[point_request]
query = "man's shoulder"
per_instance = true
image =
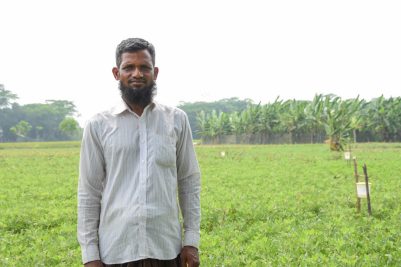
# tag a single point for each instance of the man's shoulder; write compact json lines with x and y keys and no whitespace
{"x":100,"y":117}
{"x":169,"y":109}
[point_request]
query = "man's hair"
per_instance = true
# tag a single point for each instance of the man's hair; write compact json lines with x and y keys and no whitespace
{"x":134,"y":45}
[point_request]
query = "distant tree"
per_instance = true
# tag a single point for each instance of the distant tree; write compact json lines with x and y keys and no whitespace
{"x":293,"y":118}
{"x":6,"y":97}
{"x":35,"y":121}
{"x":46,"y":118}
{"x":269,"y":118}
{"x":39,"y":129}
{"x":21,"y":129}
{"x":203,"y":124}
{"x":250,"y":118}
{"x":314,"y":116}
{"x":69,"y":126}
{"x":63,"y":107}
{"x":385,"y":118}
{"x":227,"y":105}
{"x":327,"y":115}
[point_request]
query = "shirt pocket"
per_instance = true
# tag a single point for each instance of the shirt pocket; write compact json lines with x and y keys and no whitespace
{"x":165,"y":151}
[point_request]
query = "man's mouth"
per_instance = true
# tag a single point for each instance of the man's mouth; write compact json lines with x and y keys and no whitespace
{"x":137,"y":82}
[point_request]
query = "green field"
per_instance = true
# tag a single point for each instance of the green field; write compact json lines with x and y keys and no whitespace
{"x":273,"y":205}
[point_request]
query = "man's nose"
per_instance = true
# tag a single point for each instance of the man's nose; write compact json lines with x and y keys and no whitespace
{"x":138,"y":73}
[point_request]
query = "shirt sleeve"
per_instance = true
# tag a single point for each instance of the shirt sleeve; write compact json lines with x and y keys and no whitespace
{"x":188,"y":175}
{"x":90,"y":187}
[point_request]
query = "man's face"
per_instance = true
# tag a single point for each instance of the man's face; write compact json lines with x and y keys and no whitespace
{"x":136,"y":70}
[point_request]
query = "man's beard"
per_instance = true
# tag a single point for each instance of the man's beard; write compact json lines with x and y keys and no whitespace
{"x":138,"y":97}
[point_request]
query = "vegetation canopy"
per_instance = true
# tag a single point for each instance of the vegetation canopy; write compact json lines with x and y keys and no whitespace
{"x":50,"y":121}
{"x":326,"y":118}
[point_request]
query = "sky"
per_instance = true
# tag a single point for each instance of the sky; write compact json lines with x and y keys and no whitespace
{"x":205,"y":50}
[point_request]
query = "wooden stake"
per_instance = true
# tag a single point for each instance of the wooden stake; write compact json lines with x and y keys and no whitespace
{"x":358,"y":200}
{"x":365,"y":171}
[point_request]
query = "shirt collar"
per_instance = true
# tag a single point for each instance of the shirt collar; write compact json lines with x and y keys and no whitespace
{"x":122,"y":106}
{"x":119,"y":108}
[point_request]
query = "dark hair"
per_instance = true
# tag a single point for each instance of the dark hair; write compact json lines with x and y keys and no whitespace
{"x":133,"y":45}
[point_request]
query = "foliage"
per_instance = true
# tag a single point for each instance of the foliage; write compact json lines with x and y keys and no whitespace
{"x":269,"y":119}
{"x":69,"y":126}
{"x":6,"y":97}
{"x":337,"y":120}
{"x":293,"y":120}
{"x":44,"y":119}
{"x":314,"y":117}
{"x":21,"y":129}
{"x":325,"y":117}
{"x":385,"y":117}
{"x":227,"y":105}
{"x":275,"y":205}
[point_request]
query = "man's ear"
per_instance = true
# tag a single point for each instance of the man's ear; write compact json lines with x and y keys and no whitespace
{"x":156,"y":72}
{"x":116,"y":73}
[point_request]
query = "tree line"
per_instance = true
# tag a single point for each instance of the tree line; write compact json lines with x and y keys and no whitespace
{"x":227,"y":105}
{"x":50,"y":121}
{"x":325,"y":118}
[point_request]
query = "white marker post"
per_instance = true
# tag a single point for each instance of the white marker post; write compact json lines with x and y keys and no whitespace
{"x":347,"y":157}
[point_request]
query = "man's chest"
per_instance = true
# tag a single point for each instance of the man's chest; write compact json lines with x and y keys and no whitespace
{"x":153,"y":140}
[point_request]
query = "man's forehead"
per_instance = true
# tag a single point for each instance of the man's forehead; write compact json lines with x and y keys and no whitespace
{"x":139,"y":53}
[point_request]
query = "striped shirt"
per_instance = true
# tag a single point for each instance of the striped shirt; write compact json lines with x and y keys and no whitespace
{"x":131,"y":170}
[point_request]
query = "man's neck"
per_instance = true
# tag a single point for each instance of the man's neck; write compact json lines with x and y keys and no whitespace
{"x":138,"y":109}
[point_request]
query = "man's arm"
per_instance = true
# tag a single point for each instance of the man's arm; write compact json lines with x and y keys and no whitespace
{"x":91,"y":176}
{"x":188,"y":192}
{"x":189,"y":257}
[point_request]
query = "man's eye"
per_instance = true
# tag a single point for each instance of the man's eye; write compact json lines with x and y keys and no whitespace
{"x":145,"y":68}
{"x":128,"y":68}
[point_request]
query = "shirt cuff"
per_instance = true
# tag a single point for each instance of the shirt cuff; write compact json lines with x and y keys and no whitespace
{"x":90,"y":253}
{"x":191,"y":238}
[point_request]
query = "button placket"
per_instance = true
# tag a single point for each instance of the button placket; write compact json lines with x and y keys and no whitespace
{"x":142,"y":182}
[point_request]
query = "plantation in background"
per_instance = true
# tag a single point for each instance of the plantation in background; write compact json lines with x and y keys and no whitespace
{"x":266,"y":205}
{"x":297,"y":121}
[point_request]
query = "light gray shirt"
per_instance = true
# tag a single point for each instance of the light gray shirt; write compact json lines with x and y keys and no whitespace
{"x":131,"y":170}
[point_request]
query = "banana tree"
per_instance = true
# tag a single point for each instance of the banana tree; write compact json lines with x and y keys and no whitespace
{"x":337,"y":121}
{"x":314,"y":116}
{"x":250,"y":118}
{"x":359,"y":118}
{"x":203,"y":124}
{"x":269,"y":118}
{"x":223,"y":124}
{"x":236,"y":123}
{"x":385,"y":117}
{"x":292,"y":117}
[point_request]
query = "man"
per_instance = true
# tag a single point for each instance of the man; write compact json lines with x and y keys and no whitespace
{"x":134,"y":160}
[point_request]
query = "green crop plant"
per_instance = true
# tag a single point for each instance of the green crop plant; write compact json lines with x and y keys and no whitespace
{"x":262,"y":205}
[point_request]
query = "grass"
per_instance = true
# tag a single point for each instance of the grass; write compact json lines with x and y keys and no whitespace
{"x":270,"y":205}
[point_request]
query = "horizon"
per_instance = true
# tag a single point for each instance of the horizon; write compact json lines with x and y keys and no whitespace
{"x":205,"y":51}
{"x":82,"y":120}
